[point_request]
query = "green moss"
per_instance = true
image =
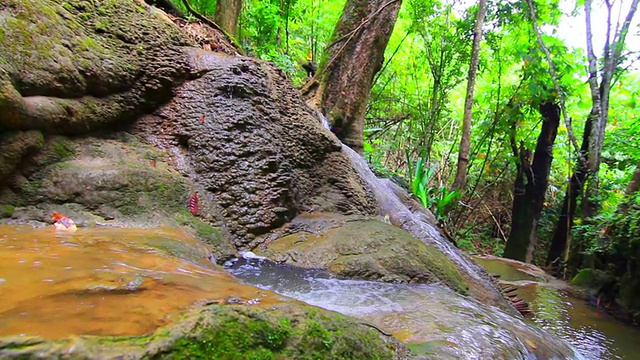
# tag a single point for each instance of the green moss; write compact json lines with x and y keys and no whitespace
{"x":584,"y":278}
{"x":87,"y":44}
{"x":256,"y":334}
{"x":203,"y":230}
{"x":250,"y":339}
{"x":63,"y":149}
{"x":30,"y":192}
{"x":6,"y":210}
{"x":317,"y":337}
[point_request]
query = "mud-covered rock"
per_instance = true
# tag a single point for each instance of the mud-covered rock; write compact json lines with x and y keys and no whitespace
{"x":243,"y":132}
{"x":362,"y":249}
{"x":77,"y":66}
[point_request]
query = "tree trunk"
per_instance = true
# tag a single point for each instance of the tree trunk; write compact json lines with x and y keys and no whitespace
{"x":346,"y":71}
{"x":593,"y":136}
{"x":463,"y":155}
{"x":529,"y":195}
{"x":227,"y":14}
{"x":561,"y":235}
{"x":600,"y":97}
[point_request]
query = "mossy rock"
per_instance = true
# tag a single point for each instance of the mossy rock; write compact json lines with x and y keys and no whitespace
{"x":585,"y":278}
{"x":363,"y":249}
{"x":14,"y":146}
{"x":117,"y":181}
{"x":77,"y":66}
{"x":6,"y":210}
{"x":289,"y":331}
{"x":223,"y":249}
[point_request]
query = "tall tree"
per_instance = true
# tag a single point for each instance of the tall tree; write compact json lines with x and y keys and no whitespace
{"x":593,"y":136}
{"x":600,"y":96}
{"x":531,"y":185}
{"x":346,"y":71}
{"x":463,"y":154}
{"x":227,"y":14}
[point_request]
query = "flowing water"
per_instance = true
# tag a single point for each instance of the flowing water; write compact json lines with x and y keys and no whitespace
{"x":106,"y":281}
{"x":418,"y":225}
{"x":432,"y":319}
{"x":130,"y":282}
{"x":594,"y":333}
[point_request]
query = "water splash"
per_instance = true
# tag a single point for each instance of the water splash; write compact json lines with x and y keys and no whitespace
{"x":323,"y":120}
{"x":390,"y":204}
{"x":415,"y":313}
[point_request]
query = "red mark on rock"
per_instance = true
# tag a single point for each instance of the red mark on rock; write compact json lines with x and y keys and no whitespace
{"x":194,"y":207}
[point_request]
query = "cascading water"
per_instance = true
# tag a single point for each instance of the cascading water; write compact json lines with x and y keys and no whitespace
{"x":432,"y":319}
{"x":481,"y":287}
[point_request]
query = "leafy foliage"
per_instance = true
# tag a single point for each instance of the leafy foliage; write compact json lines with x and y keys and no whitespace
{"x":416,"y":106}
{"x":438,"y":200}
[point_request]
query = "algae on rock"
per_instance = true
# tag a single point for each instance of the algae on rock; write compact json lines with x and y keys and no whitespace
{"x":80,"y":66}
{"x":363,"y":248}
{"x":288,"y":331}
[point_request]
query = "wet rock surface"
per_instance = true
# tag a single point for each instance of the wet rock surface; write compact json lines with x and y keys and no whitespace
{"x":287,"y":331}
{"x":242,"y":131}
{"x":114,"y":181}
{"x":362,"y":248}
{"x":154,"y":294}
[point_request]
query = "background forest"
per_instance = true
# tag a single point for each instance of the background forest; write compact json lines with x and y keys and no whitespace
{"x":551,"y":172}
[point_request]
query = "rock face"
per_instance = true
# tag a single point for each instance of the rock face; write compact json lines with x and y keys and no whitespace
{"x":107,"y":181}
{"x":78,"y":66}
{"x":243,"y":132}
{"x":360,"y":248}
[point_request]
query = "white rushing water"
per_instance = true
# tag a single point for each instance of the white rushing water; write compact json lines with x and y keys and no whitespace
{"x":428,"y":316}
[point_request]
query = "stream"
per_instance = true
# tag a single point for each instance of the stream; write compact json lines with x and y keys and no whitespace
{"x":432,"y":319}
{"x":594,"y":333}
{"x":132,"y":281}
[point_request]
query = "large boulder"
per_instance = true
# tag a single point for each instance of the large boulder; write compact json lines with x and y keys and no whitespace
{"x":114,"y":181}
{"x":242,"y":131}
{"x":361,"y":248}
{"x":78,"y":66}
{"x":288,"y":331}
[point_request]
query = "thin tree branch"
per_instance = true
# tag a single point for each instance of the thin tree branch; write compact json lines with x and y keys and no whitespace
{"x":556,"y":83}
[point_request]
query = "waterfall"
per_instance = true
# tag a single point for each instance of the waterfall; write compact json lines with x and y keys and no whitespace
{"x":418,"y":225}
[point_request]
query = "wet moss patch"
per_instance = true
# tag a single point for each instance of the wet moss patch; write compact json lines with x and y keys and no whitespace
{"x":238,"y":332}
{"x":288,"y":332}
